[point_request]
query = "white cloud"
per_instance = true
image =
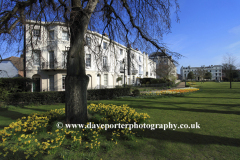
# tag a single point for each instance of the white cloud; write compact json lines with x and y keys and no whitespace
{"x":177,"y":42}
{"x":235,"y":30}
{"x":233,"y":45}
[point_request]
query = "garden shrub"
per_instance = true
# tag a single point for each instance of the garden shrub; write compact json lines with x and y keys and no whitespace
{"x":3,"y":94}
{"x":154,"y":81}
{"x":162,"y":80}
{"x":136,"y":92}
{"x":14,"y":85}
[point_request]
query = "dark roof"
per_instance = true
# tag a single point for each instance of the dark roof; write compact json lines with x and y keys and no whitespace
{"x":17,"y":62}
{"x":158,"y":54}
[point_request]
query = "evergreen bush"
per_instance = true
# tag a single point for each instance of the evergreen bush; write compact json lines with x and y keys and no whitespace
{"x":136,"y":92}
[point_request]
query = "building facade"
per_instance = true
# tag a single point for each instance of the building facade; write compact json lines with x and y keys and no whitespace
{"x":215,"y":70}
{"x":11,"y":67}
{"x":46,"y":58}
{"x":165,"y":67}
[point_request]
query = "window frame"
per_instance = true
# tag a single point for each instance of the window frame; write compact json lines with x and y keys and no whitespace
{"x":64,"y":58}
{"x":49,"y":35}
{"x":105,"y":61}
{"x":51,"y":87}
{"x":34,"y":58}
{"x":67,"y":36}
{"x":106,"y":79}
{"x":88,"y":60}
{"x":121,"y":51}
{"x":36,"y":35}
{"x":104,"y":45}
{"x":88,"y":41}
{"x":63,"y":82}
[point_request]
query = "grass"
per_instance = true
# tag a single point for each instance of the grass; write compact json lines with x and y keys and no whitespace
{"x":215,"y":107}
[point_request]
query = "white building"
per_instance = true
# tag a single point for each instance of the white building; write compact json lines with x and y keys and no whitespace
{"x":46,"y":58}
{"x":165,"y":65}
{"x":215,"y":70}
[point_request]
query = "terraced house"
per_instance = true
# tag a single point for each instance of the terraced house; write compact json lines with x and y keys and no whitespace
{"x":46,"y":48}
{"x":215,"y":70}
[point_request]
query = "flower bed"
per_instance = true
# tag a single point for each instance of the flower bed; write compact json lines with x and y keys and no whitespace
{"x":37,"y":134}
{"x":171,"y":91}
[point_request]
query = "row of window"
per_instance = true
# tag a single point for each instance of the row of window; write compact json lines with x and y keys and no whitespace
{"x":88,"y":41}
{"x":51,"y":81}
{"x":37,"y":34}
{"x":208,"y":71}
{"x":122,"y":81}
{"x":65,"y":36}
{"x":215,"y":74}
{"x":64,"y":77}
{"x":37,"y":54}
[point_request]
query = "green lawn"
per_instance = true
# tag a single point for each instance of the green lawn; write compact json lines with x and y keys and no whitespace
{"x":215,"y":107}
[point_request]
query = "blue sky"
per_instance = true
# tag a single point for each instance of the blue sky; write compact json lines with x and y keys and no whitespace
{"x":208,"y":29}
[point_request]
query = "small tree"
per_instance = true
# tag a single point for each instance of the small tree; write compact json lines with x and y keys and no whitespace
{"x":229,"y":66}
{"x":190,"y":75}
{"x":200,"y":73}
{"x":119,"y":79}
{"x":208,"y":75}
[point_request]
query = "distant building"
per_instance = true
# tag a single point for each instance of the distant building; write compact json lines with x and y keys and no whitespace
{"x":215,"y":70}
{"x":11,"y":67}
{"x":165,"y":66}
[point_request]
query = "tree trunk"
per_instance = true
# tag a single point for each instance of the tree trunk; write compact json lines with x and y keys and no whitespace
{"x":76,"y":99}
{"x":76,"y":79}
{"x":230,"y":78}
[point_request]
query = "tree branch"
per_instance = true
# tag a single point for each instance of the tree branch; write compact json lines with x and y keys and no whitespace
{"x":4,"y":21}
{"x":125,"y":5}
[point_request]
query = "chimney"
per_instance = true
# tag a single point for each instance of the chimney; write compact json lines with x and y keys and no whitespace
{"x":129,"y":46}
{"x":137,"y":49}
{"x":105,"y":34}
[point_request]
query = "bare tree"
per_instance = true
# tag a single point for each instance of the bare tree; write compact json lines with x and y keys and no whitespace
{"x":163,"y":70}
{"x":165,"y":65}
{"x":200,"y":73}
{"x":132,"y":21}
{"x":229,"y":65}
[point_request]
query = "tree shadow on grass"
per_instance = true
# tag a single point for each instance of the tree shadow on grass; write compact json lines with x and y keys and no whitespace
{"x":36,"y":109}
{"x":189,"y":138}
{"x":2,"y":126}
{"x":188,"y":109}
{"x":213,"y":97}
{"x":144,"y":105}
{"x":12,"y":114}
